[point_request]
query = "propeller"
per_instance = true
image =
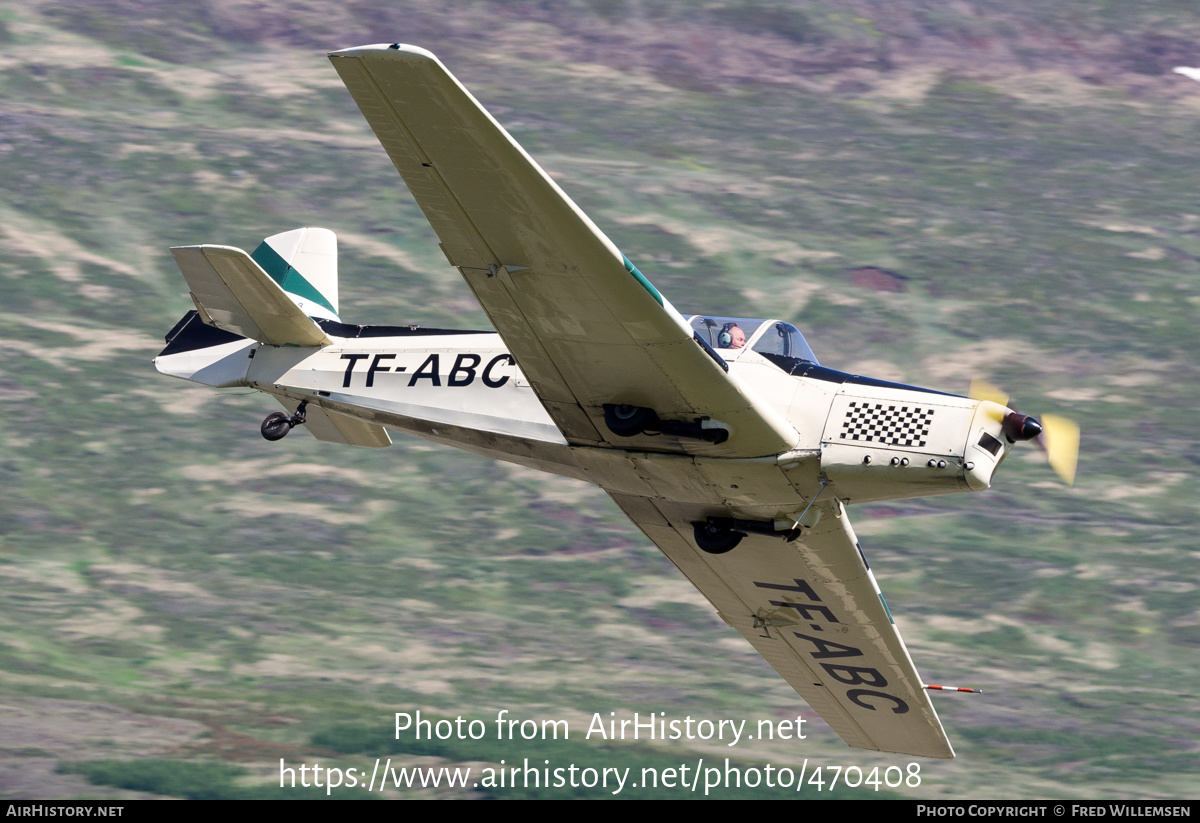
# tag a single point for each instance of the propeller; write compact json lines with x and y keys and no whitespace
{"x":1057,"y":436}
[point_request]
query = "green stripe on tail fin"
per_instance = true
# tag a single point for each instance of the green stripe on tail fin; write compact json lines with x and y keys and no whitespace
{"x":303,"y":262}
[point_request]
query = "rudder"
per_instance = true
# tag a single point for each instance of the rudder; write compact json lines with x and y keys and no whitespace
{"x":303,"y":262}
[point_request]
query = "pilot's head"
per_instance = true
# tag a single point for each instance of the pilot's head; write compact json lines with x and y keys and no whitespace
{"x":731,"y":336}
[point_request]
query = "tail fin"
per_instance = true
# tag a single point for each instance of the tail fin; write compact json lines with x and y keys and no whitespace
{"x":304,"y":264}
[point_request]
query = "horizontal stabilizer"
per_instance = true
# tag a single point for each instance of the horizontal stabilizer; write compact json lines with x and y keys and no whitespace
{"x":235,"y":294}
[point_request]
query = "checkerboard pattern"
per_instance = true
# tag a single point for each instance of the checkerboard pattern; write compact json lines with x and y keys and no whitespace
{"x":889,"y":425}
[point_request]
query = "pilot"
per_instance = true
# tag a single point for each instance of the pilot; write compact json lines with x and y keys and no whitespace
{"x":731,"y":336}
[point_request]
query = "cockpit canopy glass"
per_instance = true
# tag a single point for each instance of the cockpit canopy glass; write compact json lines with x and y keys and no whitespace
{"x":729,"y":334}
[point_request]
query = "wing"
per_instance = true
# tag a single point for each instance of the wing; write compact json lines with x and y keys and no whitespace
{"x":233,"y":293}
{"x":813,"y":610}
{"x":584,"y":325}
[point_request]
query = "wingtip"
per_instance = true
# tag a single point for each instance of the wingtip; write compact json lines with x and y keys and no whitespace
{"x":387,"y":51}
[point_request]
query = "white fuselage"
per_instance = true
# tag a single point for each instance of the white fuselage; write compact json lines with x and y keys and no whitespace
{"x":864,"y":440}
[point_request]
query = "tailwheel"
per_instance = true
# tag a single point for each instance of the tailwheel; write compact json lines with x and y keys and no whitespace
{"x":277,"y":424}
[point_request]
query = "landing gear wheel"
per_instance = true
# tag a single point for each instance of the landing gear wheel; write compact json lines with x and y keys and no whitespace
{"x":716,"y":539}
{"x":624,"y":420}
{"x":276,"y":426}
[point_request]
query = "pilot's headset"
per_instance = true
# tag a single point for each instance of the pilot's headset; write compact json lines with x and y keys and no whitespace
{"x":725,"y":336}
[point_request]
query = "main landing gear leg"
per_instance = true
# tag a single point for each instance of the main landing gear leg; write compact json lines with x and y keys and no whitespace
{"x":278,"y":424}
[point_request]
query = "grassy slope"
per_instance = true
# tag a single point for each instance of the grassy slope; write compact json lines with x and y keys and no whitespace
{"x":176,"y":587}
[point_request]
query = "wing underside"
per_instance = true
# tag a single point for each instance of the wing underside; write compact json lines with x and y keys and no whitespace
{"x":812,"y":609}
{"x":585,"y":328}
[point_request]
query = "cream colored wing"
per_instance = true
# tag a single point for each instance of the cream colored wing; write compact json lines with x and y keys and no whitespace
{"x":585,"y":327}
{"x":813,"y":610}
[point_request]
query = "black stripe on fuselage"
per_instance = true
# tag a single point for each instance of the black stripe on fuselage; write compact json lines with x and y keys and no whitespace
{"x":336,"y":329}
{"x":192,"y":333}
{"x":806,"y":368}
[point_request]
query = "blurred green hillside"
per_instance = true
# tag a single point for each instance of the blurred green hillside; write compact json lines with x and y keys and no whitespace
{"x":176,"y":591}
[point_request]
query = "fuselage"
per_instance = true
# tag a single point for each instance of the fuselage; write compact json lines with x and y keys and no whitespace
{"x":860,"y":439}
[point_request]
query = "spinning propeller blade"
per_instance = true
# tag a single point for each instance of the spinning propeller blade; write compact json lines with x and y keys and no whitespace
{"x":1057,"y":436}
{"x":1061,"y":442}
{"x":983,"y":390}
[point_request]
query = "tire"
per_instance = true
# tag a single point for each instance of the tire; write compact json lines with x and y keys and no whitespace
{"x":276,"y":426}
{"x":716,"y":539}
{"x":628,"y":421}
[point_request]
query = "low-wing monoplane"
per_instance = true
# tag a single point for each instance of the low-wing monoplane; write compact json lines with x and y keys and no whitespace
{"x":723,"y":438}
